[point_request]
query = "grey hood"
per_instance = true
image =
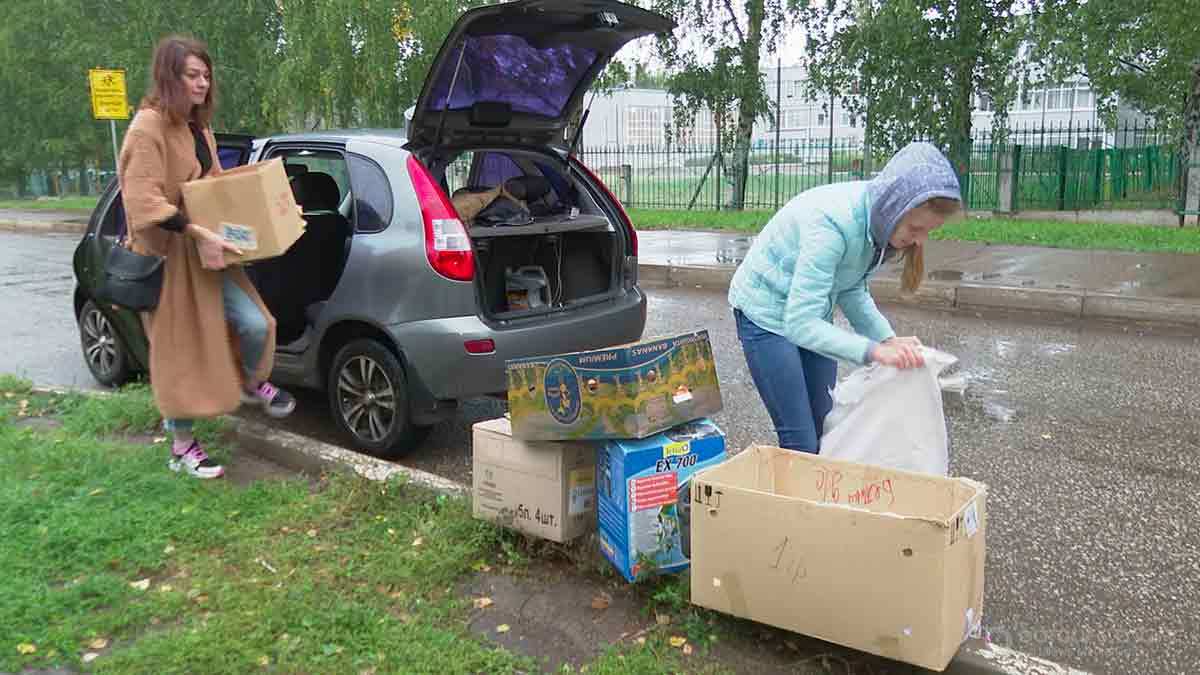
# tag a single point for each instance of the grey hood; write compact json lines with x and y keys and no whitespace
{"x":916,"y":174}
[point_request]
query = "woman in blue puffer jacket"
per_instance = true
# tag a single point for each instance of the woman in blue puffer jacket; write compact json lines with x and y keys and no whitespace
{"x":819,"y":251}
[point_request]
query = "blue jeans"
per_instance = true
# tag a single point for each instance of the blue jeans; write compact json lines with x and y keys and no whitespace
{"x":793,"y":382}
{"x":251,"y":327}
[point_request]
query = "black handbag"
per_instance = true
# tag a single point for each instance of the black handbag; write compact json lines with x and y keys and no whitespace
{"x":131,"y":280}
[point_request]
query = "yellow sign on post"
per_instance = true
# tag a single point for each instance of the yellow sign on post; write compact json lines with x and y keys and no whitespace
{"x":109,"y":101}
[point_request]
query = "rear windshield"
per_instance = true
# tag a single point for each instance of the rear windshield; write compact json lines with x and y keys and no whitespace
{"x":507,"y":69}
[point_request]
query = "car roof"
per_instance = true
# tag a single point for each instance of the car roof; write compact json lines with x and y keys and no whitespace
{"x":392,"y":137}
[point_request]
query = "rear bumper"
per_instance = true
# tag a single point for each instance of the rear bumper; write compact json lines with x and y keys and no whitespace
{"x":435,"y":353}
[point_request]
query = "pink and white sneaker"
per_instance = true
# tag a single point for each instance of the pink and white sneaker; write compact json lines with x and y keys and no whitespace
{"x":195,"y":462}
{"x":274,"y":401}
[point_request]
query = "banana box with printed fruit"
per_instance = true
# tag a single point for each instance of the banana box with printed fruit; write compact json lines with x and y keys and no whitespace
{"x":626,"y":392}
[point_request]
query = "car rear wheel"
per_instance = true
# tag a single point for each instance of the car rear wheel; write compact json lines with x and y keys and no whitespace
{"x":103,"y":350}
{"x":368,"y":396}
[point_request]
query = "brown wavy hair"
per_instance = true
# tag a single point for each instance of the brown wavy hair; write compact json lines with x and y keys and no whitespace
{"x":167,"y":92}
{"x":914,"y":256}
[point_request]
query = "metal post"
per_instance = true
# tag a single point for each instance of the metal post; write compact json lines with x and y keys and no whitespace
{"x":113,"y":127}
{"x":831,"y":134}
{"x":778,"y":121}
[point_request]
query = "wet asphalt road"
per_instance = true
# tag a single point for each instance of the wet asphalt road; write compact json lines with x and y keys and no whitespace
{"x":1086,"y":434}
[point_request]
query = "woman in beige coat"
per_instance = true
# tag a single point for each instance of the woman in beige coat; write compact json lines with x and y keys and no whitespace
{"x":208,"y":315}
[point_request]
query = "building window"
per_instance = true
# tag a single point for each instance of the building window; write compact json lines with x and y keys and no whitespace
{"x":646,"y":125}
{"x":1084,"y":97}
{"x":847,"y":120}
{"x":986,"y":104}
{"x":797,"y":118}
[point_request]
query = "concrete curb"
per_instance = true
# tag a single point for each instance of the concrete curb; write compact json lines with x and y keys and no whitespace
{"x":308,"y":455}
{"x":942,"y":295}
{"x":35,"y":227}
{"x":977,"y":657}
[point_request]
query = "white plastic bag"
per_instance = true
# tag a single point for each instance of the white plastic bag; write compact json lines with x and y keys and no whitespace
{"x":890,"y":417}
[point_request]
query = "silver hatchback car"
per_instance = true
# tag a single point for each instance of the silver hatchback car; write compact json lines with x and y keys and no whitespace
{"x":392,"y":302}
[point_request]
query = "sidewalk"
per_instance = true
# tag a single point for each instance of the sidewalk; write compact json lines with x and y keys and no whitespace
{"x":1112,"y":285}
{"x":42,"y":221}
{"x":1095,"y":284}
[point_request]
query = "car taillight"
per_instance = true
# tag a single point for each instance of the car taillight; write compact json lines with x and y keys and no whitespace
{"x":633,"y":239}
{"x":446,"y":242}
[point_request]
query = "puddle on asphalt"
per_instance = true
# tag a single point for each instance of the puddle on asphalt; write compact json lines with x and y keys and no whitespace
{"x":998,"y":411}
{"x":946,"y":275}
{"x":732,"y":250}
{"x":991,"y":399}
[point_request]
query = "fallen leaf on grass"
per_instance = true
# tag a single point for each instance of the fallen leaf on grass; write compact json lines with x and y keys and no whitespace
{"x":169,"y":549}
{"x":368,"y":671}
{"x":98,"y":643}
{"x":391,"y":532}
{"x":601,"y":601}
{"x":312,"y":533}
{"x":264,"y":661}
{"x":26,"y":649}
{"x":503,"y":628}
{"x":483,"y":603}
{"x":90,"y":656}
{"x":641,"y":641}
{"x":418,"y":541}
{"x":160,"y":439}
{"x":678,"y":641}
{"x":201,"y":599}
{"x":97,"y":491}
{"x":9,"y":394}
{"x":166,"y":588}
{"x":141,"y":585}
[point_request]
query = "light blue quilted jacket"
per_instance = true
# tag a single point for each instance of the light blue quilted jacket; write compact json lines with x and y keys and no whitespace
{"x":822,"y":247}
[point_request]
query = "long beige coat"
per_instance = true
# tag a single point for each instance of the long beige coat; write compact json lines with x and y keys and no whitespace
{"x":195,"y":370}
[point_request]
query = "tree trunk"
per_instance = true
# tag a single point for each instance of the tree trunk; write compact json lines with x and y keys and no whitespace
{"x":749,"y":102}
{"x":83,"y":177}
{"x":1191,"y":142}
{"x":964,"y":94}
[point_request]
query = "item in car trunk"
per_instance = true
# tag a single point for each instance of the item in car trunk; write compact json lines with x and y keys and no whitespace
{"x":527,"y":288}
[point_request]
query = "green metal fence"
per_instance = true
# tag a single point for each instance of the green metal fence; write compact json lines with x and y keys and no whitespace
{"x":1067,"y":167}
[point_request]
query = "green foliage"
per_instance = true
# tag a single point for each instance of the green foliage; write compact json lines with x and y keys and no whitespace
{"x":713,"y":61}
{"x":917,"y":68}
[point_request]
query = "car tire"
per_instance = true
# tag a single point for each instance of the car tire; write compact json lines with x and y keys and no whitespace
{"x":368,"y":398}
{"x":104,"y":351}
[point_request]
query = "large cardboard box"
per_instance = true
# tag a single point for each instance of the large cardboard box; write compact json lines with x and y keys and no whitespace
{"x":643,"y":496}
{"x":881,"y":560}
{"x":545,"y":489}
{"x":251,"y":206}
{"x":631,"y":391}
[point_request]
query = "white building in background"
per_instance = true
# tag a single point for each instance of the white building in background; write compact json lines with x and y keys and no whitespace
{"x":636,"y":118}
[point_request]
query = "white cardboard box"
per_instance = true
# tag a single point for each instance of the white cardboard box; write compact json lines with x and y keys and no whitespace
{"x":543,"y":488}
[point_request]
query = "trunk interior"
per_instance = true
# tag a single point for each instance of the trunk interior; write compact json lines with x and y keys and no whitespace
{"x":555,"y":249}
